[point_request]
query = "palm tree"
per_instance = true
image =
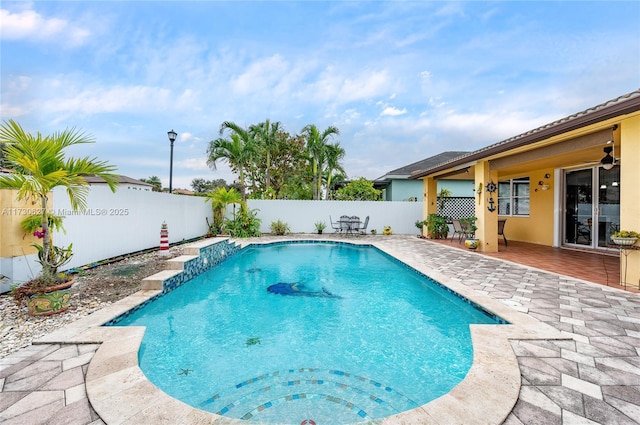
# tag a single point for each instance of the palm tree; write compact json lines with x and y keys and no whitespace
{"x":266,"y":134}
{"x":219,"y":199}
{"x":155,"y":182}
{"x":238,"y":151}
{"x":317,"y":152}
{"x":335,"y":153}
{"x":39,"y":165}
{"x":2,"y":161}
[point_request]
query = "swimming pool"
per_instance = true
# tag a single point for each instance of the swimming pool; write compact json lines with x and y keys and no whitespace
{"x":346,"y":334}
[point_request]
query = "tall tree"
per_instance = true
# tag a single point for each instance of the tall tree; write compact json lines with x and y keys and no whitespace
{"x":266,"y":135}
{"x":39,"y":165}
{"x":317,"y":151}
{"x":238,"y":150}
{"x":335,"y":154}
{"x":359,"y":190}
{"x":155,"y":182}
{"x":201,"y":186}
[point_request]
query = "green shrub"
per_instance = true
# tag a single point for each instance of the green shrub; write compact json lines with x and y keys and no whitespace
{"x":245,"y":224}
{"x":279,"y":228}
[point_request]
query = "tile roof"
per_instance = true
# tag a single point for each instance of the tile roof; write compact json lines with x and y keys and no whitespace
{"x":621,"y":105}
{"x":121,"y":179}
{"x":423,"y":164}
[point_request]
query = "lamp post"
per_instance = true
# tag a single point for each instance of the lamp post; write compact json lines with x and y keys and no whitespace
{"x":172,"y":138}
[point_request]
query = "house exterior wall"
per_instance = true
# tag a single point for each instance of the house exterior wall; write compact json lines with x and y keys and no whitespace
{"x":461,"y":188}
{"x":12,"y":212}
{"x":580,"y":146}
{"x":17,"y":255}
{"x":630,"y":190}
{"x":403,"y":190}
{"x":538,"y":226}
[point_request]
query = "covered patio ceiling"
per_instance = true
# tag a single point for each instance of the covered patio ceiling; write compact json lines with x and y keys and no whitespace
{"x":578,"y":152}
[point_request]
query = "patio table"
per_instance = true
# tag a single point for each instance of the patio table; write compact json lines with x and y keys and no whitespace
{"x":350,"y":225}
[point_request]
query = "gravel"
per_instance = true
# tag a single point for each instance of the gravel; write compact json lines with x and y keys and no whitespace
{"x":94,"y":289}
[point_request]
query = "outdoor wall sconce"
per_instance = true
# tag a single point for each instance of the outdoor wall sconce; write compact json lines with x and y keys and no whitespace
{"x":544,"y":185}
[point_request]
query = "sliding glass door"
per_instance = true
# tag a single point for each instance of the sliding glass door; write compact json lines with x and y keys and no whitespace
{"x":592,"y":206}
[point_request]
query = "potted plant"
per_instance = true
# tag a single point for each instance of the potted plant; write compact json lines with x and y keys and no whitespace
{"x":386,"y":231}
{"x":420,"y":225}
{"x":38,"y":165}
{"x":469,"y":227}
{"x":437,"y":226}
{"x":320,"y":226}
{"x":625,"y":237}
{"x":443,"y":198}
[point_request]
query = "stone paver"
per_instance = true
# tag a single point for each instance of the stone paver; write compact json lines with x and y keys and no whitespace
{"x":588,"y":375}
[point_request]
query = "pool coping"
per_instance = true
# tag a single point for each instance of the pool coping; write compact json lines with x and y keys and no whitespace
{"x":119,"y":391}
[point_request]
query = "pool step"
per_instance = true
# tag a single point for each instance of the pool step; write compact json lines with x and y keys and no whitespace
{"x":355,"y":396}
{"x":191,"y":254}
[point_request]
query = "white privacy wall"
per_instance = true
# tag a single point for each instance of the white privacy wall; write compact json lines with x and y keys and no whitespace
{"x":301,"y":216}
{"x":126,"y":221}
{"x":130,"y":220}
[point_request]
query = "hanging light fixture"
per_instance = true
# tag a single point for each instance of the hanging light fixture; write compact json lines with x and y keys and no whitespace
{"x":608,"y":161}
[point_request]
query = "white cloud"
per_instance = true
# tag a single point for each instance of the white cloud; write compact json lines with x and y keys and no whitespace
{"x":261,"y":75}
{"x":344,"y":88}
{"x":392,"y":111}
{"x":30,"y":25}
{"x":13,"y":111}
{"x":197,"y":164}
{"x":97,"y":100}
{"x":185,"y":137}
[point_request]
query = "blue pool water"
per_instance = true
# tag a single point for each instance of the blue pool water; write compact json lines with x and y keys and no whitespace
{"x":288,"y":333}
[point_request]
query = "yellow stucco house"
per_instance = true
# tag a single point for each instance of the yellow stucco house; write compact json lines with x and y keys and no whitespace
{"x":570,"y":183}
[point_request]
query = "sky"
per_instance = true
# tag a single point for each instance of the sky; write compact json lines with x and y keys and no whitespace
{"x":401,"y":80}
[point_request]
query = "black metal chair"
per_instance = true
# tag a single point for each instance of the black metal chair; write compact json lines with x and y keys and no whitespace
{"x":501,"y":224}
{"x":345,"y":225}
{"x":363,"y":229}
{"x":334,"y":225}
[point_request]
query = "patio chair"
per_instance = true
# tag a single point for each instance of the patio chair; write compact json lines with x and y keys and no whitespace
{"x":345,"y":224}
{"x":354,"y":224}
{"x":363,"y":229}
{"x":334,"y":225}
{"x":459,"y":230}
{"x":501,"y":224}
{"x":584,"y":231}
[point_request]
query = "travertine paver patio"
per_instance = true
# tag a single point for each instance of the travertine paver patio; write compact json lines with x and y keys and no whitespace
{"x":589,"y":372}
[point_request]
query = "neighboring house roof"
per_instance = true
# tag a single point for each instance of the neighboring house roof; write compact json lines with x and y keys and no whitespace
{"x":621,"y":105}
{"x":183,"y":192}
{"x":121,"y":179}
{"x":424,"y":164}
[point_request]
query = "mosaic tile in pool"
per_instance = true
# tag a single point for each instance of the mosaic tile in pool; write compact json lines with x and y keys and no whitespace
{"x":386,"y":340}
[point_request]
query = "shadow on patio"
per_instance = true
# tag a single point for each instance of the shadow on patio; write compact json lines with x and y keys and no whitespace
{"x":601,"y":268}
